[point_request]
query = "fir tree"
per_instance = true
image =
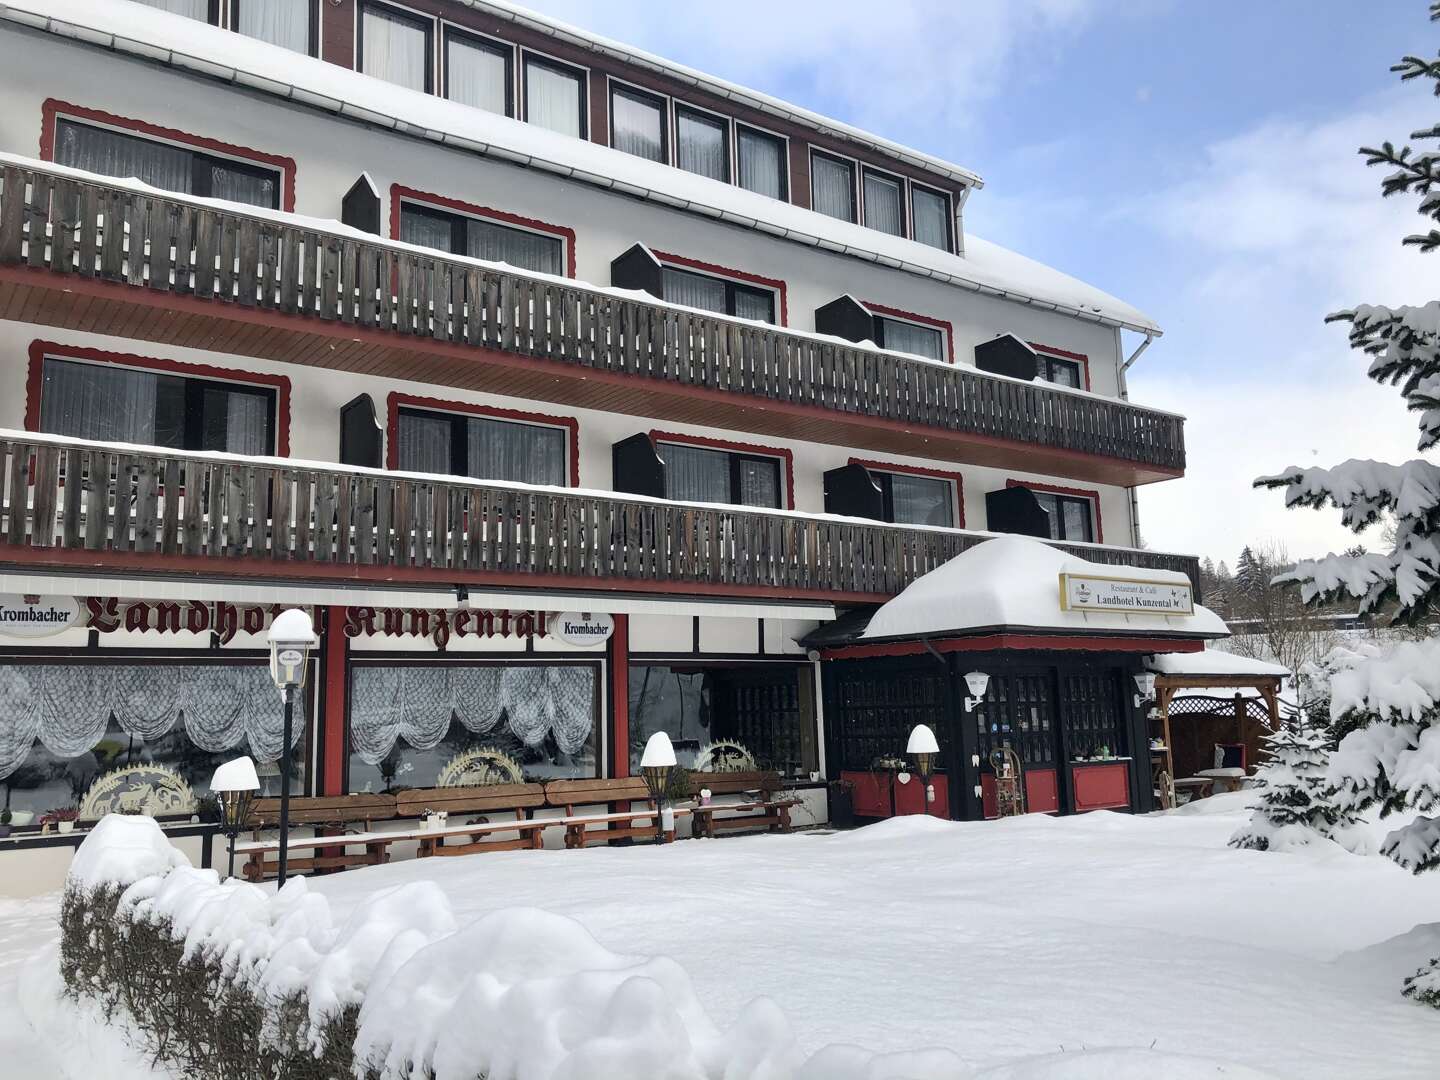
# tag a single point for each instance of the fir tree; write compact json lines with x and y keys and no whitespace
{"x":1295,"y":808}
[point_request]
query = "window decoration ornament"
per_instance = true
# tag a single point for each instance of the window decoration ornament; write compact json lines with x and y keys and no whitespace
{"x":724,"y":755}
{"x":152,"y":790}
{"x":480,"y":768}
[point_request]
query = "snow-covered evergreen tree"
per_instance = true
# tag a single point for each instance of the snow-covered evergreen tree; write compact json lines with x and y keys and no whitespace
{"x":1390,"y":703}
{"x":1294,"y":810}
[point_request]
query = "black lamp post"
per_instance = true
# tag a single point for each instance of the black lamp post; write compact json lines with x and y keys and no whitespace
{"x":655,"y":766}
{"x":292,"y":636}
{"x":923,"y":749}
{"x":234,"y":785}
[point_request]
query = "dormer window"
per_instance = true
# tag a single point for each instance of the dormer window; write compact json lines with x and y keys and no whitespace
{"x":761,"y":159}
{"x":884,"y":203}
{"x":702,"y":143}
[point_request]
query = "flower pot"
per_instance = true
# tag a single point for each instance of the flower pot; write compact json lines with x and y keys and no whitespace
{"x":65,"y":826}
{"x":21,"y":818}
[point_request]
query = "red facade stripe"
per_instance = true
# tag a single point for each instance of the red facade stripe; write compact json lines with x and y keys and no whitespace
{"x":785,"y":456}
{"x":943,"y":325}
{"x":775,"y":284}
{"x":39,"y":350}
{"x":620,"y":697}
{"x":396,"y":401}
{"x":921,"y":470}
{"x":53,"y":108}
{"x":1079,"y":493}
{"x":399,"y":194}
{"x":1079,"y":358}
{"x":335,"y":742}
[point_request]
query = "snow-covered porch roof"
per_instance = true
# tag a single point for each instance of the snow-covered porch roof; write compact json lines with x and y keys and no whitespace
{"x":1213,"y":672}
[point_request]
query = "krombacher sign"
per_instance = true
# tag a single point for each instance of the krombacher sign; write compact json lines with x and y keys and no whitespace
{"x":1089,"y":592}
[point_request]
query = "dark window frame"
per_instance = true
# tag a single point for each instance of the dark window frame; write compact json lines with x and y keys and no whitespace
{"x":312,"y":47}
{"x":884,"y":479}
{"x":881,"y":320}
{"x":1047,"y":362}
{"x":853,"y":165}
{"x":902,"y":191}
{"x":580,"y":74}
{"x":705,"y":116}
{"x":619,"y":86}
{"x":1057,"y":518}
{"x":949,"y":213}
{"x":460,"y":229}
{"x":732,"y":289}
{"x":422,"y":22}
{"x":784,"y":144}
{"x":734,"y":459}
{"x":448,"y":32}
{"x":460,"y":443}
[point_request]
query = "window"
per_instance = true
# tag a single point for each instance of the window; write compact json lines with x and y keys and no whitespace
{"x":555,"y":96}
{"x":762,"y":162}
{"x":637,"y":123}
{"x":164,"y":165}
{"x":482,"y":447}
{"x":1060,"y":371}
{"x":478,"y":238}
{"x":913,"y":499}
{"x":192,"y":9}
{"x":700,"y":474}
{"x":768,"y":709}
{"x":408,"y":721}
{"x":884,"y":203}
{"x":116,"y":403}
{"x":832,"y":187}
{"x":930,"y":215}
{"x":395,"y":46}
{"x":719,"y":295}
{"x":286,"y":23}
{"x":477,"y":72}
{"x":1072,"y":517}
{"x":702,"y":143}
{"x":909,"y":337}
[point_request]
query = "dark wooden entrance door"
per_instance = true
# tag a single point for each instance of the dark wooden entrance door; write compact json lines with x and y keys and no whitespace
{"x":1019,"y":711}
{"x":1096,"y":751}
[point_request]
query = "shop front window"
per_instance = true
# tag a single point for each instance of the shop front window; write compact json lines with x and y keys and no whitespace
{"x":411,"y":722}
{"x":64,"y":725}
{"x":709,"y":712}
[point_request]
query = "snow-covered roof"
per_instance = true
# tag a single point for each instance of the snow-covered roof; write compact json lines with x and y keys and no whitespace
{"x":208,"y":50}
{"x":1013,"y":582}
{"x":1214,"y":662}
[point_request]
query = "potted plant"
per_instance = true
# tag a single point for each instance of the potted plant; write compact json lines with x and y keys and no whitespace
{"x":62,"y":817}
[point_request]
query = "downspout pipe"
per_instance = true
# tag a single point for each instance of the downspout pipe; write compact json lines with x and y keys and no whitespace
{"x":1125,"y":396}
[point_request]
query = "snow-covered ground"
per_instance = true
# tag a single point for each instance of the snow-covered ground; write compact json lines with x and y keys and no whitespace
{"x":1026,"y":946}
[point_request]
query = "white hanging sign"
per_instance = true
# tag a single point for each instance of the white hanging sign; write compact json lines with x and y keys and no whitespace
{"x":26,"y":615}
{"x":582,"y":628}
{"x":1087,"y":592}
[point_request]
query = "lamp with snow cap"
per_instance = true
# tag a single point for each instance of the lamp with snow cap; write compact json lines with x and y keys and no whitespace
{"x":292,"y":636}
{"x":235,"y":785}
{"x":655,"y":765}
{"x":978,"y":682}
{"x":923,"y":749}
{"x":1145,"y":683}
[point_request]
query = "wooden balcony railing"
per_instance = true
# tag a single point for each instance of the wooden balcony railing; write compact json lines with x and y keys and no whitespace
{"x":250,"y":263}
{"x":88,"y":504}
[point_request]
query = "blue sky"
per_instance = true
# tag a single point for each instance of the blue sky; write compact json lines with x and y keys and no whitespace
{"x":1196,"y":159}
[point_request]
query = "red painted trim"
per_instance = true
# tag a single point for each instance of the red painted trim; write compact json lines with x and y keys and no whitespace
{"x":1003,"y":642}
{"x":920,"y":470}
{"x":619,"y":657}
{"x":399,"y":193}
{"x":336,"y":742}
{"x":1079,"y":358}
{"x":39,"y":350}
{"x":742,"y":447}
{"x":944,"y":326}
{"x":1079,"y":493}
{"x":777,"y":284}
{"x":1101,"y":786}
{"x":54,"y":107}
{"x":397,"y":400}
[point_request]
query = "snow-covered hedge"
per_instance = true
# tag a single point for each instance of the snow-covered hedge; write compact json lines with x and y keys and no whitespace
{"x":228,"y":979}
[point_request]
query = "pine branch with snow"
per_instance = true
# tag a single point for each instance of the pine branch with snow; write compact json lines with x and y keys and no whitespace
{"x":1294,"y":809}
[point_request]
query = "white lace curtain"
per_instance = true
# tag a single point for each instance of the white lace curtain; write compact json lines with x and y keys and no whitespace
{"x":67,"y":707}
{"x":393,"y":48}
{"x":280,"y":22}
{"x":417,"y":703}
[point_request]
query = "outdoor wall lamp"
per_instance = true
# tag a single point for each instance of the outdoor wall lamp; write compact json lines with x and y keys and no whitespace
{"x":235,"y":784}
{"x":978,"y":682}
{"x":292,"y":636}
{"x":923,"y":748}
{"x":1145,"y":683}
{"x":655,"y":765}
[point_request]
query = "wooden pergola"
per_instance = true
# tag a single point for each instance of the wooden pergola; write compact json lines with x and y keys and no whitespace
{"x":1162,"y":761}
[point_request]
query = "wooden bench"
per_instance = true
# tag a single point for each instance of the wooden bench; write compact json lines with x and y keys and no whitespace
{"x":570,"y":794}
{"x":514,"y":800}
{"x":765,"y":812}
{"x":320,"y":812}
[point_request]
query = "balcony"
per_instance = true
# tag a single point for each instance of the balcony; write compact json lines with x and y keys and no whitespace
{"x":85,"y":507}
{"x":109,"y":257}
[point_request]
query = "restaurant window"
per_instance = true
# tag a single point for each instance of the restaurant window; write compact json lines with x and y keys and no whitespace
{"x":191,"y":9}
{"x":117,"y":403}
{"x":832,"y":186}
{"x":700,"y":474}
{"x":930,"y":217}
{"x":913,"y":499}
{"x":479,"y":238}
{"x":702,"y":143}
{"x":286,"y":23}
{"x":478,"y":72}
{"x":555,"y":96}
{"x":63,"y":724}
{"x":1059,"y":371}
{"x":164,"y":165}
{"x":637,"y":123}
{"x":1072,"y":517}
{"x":761,"y":159}
{"x":395,"y":46}
{"x":884,"y":203}
{"x":767,"y":709}
{"x":483,"y":447}
{"x":718,"y":294}
{"x":409,"y":721}
{"x":908,"y":337}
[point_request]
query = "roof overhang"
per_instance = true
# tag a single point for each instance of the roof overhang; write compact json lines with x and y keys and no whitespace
{"x":1018,"y":639}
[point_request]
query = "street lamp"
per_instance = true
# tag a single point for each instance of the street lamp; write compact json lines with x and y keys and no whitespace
{"x":977,"y":682}
{"x":292,"y":636}
{"x":923,"y":748}
{"x":1145,"y":683}
{"x":655,"y":765}
{"x":235,"y":785}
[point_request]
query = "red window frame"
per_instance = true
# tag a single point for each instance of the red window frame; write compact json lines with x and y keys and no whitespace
{"x":53,"y":109}
{"x":399,"y":193}
{"x":396,"y":400}
{"x":776,"y":285}
{"x":921,"y":470}
{"x":1066,"y":354}
{"x":786,"y":458}
{"x":39,"y":350}
{"x":946,"y":328}
{"x":1076,"y":493}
